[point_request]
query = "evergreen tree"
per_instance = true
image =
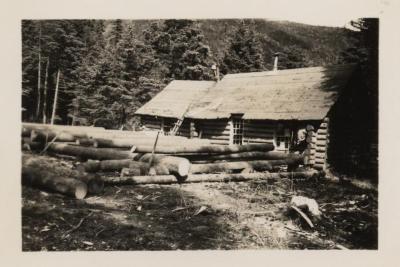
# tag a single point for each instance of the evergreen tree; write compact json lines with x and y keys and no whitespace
{"x":180,"y":48}
{"x":116,"y":33}
{"x":61,"y":45}
{"x":113,"y":78}
{"x":292,"y":57}
{"x":30,"y":40}
{"x":244,"y":53}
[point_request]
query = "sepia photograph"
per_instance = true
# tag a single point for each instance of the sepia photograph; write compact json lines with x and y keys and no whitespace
{"x":199,"y":134}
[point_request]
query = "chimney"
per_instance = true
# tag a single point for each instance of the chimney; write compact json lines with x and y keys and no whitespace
{"x":276,"y":55}
{"x":215,"y":68}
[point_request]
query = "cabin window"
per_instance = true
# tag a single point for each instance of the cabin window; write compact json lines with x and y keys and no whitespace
{"x":282,"y":138}
{"x":237,"y":136}
{"x":165,"y":126}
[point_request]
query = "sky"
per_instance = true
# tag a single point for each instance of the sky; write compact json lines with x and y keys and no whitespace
{"x":336,"y":13}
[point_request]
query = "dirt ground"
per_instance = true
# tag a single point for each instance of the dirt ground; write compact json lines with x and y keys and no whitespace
{"x":248,"y":215}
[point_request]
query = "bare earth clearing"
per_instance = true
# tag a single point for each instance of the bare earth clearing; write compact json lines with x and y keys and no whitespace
{"x":251,"y":215}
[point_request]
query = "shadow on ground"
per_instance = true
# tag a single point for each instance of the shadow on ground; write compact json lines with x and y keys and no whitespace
{"x":244,"y":215}
{"x":132,"y":218}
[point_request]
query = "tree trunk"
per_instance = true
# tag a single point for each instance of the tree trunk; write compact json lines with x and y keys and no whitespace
{"x":86,"y":142}
{"x":38,"y":126}
{"x":39,"y":75}
{"x":136,"y":169}
{"x":25,"y":132}
{"x":175,"y":165}
{"x":198,"y":178}
{"x":143,"y":140}
{"x":55,"y":98}
{"x":254,"y":155}
{"x":118,"y":134}
{"x":91,"y":153}
{"x":63,"y":134}
{"x":40,"y":176}
{"x":28,"y":145}
{"x":45,"y":92}
{"x":211,"y":149}
{"x":105,"y":165}
{"x":94,"y":183}
{"x":45,"y":136}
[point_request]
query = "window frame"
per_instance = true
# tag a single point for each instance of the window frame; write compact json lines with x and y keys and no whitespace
{"x":237,"y":131}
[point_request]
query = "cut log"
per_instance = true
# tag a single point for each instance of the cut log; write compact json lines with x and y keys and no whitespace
{"x":104,"y":165}
{"x":77,"y":131}
{"x":165,"y":141}
{"x":34,"y":126}
{"x":198,"y":178}
{"x":274,"y":155}
{"x":132,"y":172}
{"x":258,"y":165}
{"x":91,"y":153}
{"x":94,"y":183}
{"x":135,"y":170}
{"x":47,"y":135}
{"x":25,"y":132}
{"x":211,"y":149}
{"x":86,"y":142}
{"x":111,"y":134}
{"x":175,"y":165}
{"x":28,"y":145}
{"x":228,"y":167}
{"x":42,"y":177}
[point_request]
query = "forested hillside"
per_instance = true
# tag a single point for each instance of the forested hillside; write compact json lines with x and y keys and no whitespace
{"x":105,"y":70}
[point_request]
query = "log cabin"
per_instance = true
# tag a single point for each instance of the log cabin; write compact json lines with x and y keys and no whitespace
{"x":288,"y":108}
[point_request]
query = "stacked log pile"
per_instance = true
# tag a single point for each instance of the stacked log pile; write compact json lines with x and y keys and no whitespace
{"x":146,"y":157}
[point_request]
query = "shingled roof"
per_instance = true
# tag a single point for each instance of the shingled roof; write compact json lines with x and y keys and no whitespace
{"x":175,"y":99}
{"x":295,"y":94}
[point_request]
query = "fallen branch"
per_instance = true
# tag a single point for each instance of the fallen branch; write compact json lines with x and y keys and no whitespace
{"x":303,"y":215}
{"x":77,"y":226}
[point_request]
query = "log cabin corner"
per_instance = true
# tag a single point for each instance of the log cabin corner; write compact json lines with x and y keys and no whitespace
{"x":288,"y":108}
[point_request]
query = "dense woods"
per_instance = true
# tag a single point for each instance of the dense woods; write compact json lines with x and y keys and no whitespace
{"x":354,"y":138}
{"x":105,"y":70}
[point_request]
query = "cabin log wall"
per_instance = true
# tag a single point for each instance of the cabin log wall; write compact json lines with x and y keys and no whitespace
{"x":218,"y":131}
{"x":151,"y":122}
{"x":320,"y":145}
{"x":255,"y":132}
{"x":258,"y":132}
